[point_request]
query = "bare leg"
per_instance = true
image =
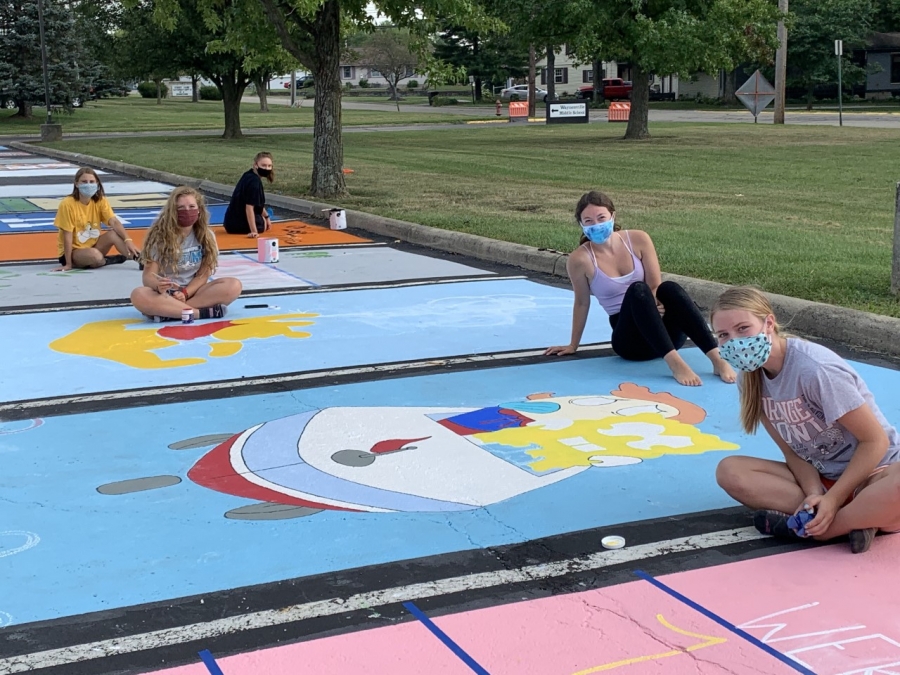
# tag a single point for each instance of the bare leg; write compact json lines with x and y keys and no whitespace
{"x":876,"y":506}
{"x":149,"y":302}
{"x":683,"y":373}
{"x":109,"y":239}
{"x":222,"y":291}
{"x":760,"y":483}
{"x":87,"y":258}
{"x":721,"y":367}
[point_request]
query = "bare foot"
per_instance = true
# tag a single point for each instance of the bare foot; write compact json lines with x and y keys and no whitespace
{"x":722,"y":368}
{"x":684,"y":375}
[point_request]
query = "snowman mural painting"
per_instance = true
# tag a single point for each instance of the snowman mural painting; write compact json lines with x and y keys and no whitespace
{"x":435,"y":459}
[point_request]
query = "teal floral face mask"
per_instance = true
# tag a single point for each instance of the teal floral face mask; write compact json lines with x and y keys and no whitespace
{"x":747,"y":353}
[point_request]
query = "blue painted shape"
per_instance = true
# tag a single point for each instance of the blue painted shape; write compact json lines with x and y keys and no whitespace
{"x":210,"y":662}
{"x":709,"y":614}
{"x":177,"y":541}
{"x":352,"y":328}
{"x":444,"y":638}
{"x":42,"y":221}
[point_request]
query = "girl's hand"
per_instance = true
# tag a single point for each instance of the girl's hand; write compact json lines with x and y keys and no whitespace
{"x":826,"y":510}
{"x":253,"y":235}
{"x":164,"y":285}
{"x":64,"y":268}
{"x":561,"y":351}
{"x":180,"y":296}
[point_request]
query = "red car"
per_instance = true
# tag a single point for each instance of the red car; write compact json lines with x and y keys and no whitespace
{"x":612,"y":88}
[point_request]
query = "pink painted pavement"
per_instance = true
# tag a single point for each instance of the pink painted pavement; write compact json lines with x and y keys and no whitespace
{"x":835,"y":612}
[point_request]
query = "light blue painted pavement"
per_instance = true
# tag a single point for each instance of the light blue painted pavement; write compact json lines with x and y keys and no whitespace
{"x":42,"y":221}
{"x":352,"y":328}
{"x":100,"y":552}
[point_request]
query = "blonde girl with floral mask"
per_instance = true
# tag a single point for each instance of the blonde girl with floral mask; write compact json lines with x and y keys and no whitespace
{"x":180,"y":255}
{"x":841,"y":463}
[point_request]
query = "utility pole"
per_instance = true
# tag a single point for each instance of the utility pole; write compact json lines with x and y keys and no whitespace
{"x":294,"y":88}
{"x":839,"y":52}
{"x":44,"y":61}
{"x":781,"y":65}
{"x":895,"y":262}
{"x":532,"y":74}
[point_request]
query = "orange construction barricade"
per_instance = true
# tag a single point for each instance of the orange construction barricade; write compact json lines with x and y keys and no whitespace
{"x":518,"y":111}
{"x":619,"y":112}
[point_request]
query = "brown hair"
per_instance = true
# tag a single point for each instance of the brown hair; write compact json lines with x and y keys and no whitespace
{"x":78,"y":174}
{"x":164,"y":238}
{"x":266,"y":155}
{"x":594,"y":198}
{"x":751,"y":300}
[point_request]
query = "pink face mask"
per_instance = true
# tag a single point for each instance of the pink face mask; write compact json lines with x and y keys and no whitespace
{"x":188,"y":217}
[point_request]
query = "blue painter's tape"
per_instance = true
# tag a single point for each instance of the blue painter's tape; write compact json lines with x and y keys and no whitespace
{"x":210,"y":662}
{"x":443,"y":637}
{"x":725,"y":624}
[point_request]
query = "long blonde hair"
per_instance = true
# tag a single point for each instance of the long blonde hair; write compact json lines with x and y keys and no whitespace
{"x":751,"y":300}
{"x":163,"y":241}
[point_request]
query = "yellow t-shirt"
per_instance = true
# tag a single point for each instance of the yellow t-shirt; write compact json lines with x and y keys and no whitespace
{"x":82,"y":220}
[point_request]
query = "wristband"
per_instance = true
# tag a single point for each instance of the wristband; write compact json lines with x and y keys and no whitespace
{"x":128,"y":239}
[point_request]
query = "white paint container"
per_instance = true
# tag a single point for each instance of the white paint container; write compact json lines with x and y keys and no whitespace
{"x":337,"y":219}
{"x":267,"y":250}
{"x":612,"y":542}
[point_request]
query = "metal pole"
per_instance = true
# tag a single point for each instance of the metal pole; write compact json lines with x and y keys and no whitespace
{"x":44,"y":61}
{"x":895,"y":263}
{"x":781,"y":65}
{"x":293,"y":88}
{"x":840,"y":88}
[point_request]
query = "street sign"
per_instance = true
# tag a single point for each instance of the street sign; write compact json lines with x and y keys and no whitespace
{"x":756,"y":93}
{"x":838,"y":47}
{"x":567,"y":113}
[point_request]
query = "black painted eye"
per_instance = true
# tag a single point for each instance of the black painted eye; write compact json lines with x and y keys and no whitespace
{"x":353,"y":457}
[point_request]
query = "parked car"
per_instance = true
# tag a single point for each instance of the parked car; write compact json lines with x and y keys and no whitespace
{"x":612,"y":88}
{"x":519,"y":92}
{"x":302,"y":82}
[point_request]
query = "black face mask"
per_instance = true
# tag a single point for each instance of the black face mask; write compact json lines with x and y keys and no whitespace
{"x":263,"y":173}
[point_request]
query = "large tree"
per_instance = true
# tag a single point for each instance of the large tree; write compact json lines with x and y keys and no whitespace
{"x":488,"y":57}
{"x":389,"y":50}
{"x":815,"y":25}
{"x":676,"y":37}
{"x":21,"y":71}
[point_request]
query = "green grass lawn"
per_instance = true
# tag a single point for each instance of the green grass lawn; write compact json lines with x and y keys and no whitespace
{"x":140,"y":114}
{"x":804,"y":211}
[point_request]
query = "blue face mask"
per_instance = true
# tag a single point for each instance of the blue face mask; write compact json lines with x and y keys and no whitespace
{"x":599,"y":232}
{"x":747,"y":353}
{"x":88,"y":189}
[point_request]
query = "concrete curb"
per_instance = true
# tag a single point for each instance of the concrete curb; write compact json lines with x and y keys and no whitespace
{"x":853,"y":328}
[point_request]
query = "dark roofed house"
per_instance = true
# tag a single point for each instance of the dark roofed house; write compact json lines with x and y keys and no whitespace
{"x":883,"y":65}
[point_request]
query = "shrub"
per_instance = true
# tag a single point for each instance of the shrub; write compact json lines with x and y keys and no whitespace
{"x":210,"y":93}
{"x":412,"y":84}
{"x":444,"y":100}
{"x":148,"y":89}
{"x":363,"y":83}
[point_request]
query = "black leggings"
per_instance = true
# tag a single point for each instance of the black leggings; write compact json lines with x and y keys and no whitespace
{"x":640,"y":333}
{"x":242,"y":227}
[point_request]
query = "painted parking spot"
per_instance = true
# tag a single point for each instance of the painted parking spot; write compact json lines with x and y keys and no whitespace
{"x":106,"y":349}
{"x":116,"y":185}
{"x":35,"y":285}
{"x":42,"y":221}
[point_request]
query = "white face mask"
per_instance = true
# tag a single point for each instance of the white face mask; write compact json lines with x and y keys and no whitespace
{"x":88,"y":189}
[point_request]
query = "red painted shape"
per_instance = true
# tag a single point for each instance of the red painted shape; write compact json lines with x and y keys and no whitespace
{"x":215,"y":471}
{"x":394,"y":444}
{"x":192,"y":331}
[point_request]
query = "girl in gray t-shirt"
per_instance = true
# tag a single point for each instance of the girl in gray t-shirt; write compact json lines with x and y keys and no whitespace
{"x":179,"y":257}
{"x":842,"y":457}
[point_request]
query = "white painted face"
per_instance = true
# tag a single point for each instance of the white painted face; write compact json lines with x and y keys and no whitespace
{"x":404,"y":450}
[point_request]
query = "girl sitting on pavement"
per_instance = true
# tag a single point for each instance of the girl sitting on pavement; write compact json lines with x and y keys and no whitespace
{"x":180,"y":254}
{"x":842,"y":457}
{"x":246,"y":212}
{"x":80,"y":217}
{"x":650,"y":318}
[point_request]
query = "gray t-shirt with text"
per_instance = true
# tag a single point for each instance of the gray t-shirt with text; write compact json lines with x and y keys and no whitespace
{"x":803,"y":402}
{"x":188,"y":264}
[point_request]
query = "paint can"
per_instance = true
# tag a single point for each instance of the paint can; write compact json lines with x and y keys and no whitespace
{"x":187,"y":316}
{"x":337,"y":219}
{"x":267,"y":250}
{"x":612,"y":542}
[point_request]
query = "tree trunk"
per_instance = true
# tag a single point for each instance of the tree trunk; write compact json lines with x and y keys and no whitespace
{"x":638,"y":120}
{"x":551,"y":73}
{"x":158,"y":92}
{"x":810,"y":96}
{"x":479,"y":83}
{"x":195,"y":89}
{"x":598,"y":79}
{"x":730,"y":87}
{"x":328,"y":145}
{"x":262,"y":90}
{"x":477,"y":78}
{"x":233,"y":86}
{"x":24,"y":109}
{"x":532,"y":73}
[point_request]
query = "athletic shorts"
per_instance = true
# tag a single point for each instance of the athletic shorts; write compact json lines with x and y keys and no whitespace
{"x":828,"y":483}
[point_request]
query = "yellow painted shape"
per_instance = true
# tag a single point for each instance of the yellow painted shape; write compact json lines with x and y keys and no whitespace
{"x":141,"y":201}
{"x":708,"y":641}
{"x":613,"y":437}
{"x":112,"y":340}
